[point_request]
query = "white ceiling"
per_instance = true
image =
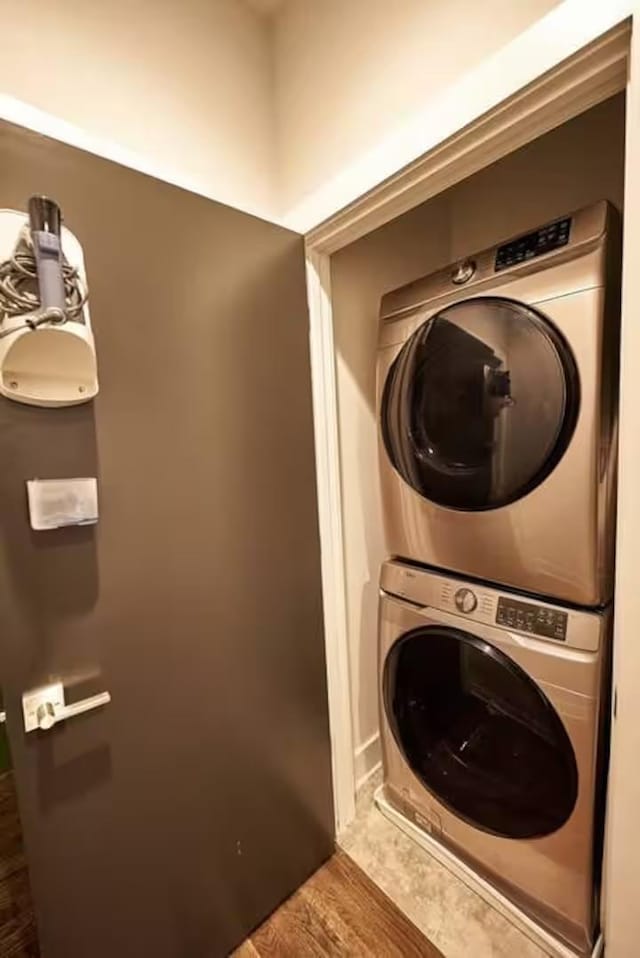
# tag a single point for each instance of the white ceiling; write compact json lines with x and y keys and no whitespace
{"x":266,"y":8}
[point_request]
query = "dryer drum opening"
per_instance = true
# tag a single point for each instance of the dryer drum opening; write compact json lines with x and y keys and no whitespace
{"x":480,"y":404}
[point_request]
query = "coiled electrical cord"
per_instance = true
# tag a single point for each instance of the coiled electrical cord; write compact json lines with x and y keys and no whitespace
{"x":19,"y":294}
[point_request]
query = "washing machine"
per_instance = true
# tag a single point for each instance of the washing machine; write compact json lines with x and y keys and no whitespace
{"x":497,"y":381}
{"x":494,"y":727}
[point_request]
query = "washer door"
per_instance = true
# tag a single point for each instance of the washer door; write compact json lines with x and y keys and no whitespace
{"x":479,"y":733}
{"x":480,"y":404}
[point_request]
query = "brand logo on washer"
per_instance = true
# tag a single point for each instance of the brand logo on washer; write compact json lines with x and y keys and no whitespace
{"x":422,"y":821}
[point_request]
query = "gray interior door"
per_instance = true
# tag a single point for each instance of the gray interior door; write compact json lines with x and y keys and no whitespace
{"x":170,"y":822}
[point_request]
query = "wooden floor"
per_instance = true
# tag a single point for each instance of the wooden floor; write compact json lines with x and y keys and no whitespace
{"x":338,"y":912}
{"x":17,"y":925}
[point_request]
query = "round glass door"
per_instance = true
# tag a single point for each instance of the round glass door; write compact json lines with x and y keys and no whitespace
{"x":479,"y":733}
{"x":480,"y":404}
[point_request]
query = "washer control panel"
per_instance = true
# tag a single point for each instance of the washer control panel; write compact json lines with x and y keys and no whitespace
{"x":533,"y":244}
{"x":527,"y":617}
{"x":478,"y":607}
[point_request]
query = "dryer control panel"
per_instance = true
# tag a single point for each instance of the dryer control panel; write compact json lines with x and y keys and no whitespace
{"x":540,"y":241}
{"x":485,"y":271}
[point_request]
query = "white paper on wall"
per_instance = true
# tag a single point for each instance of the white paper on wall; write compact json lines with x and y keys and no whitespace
{"x":54,"y":503}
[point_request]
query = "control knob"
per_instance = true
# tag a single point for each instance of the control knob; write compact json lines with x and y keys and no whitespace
{"x":466,"y":600}
{"x":463,"y":272}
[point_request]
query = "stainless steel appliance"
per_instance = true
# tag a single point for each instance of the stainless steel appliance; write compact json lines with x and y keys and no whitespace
{"x":493,"y":708}
{"x":497,"y":405}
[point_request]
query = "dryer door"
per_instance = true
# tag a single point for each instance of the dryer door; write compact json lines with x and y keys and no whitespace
{"x":479,"y":733}
{"x":480,"y":404}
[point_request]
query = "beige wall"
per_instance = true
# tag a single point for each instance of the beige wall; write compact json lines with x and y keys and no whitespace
{"x":245,"y":109}
{"x":186,"y":85}
{"x":580,"y":162}
{"x":349,"y":71}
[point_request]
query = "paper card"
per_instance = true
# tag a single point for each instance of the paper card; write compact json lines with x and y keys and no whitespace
{"x":54,"y":503}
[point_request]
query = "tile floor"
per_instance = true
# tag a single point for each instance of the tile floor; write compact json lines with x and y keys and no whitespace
{"x":447,"y":911}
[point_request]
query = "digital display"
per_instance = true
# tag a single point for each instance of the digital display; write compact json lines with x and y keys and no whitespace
{"x":533,"y":244}
{"x":536,"y":619}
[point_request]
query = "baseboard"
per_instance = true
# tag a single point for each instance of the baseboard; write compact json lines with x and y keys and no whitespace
{"x":540,"y":936}
{"x":367,"y":759}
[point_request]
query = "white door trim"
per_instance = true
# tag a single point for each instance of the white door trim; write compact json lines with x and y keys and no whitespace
{"x":589,"y":76}
{"x":576,"y":84}
{"x":621,"y":916}
{"x":325,"y":417}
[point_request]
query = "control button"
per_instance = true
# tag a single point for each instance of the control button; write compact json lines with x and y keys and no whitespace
{"x":463,"y":273}
{"x":466,"y":600}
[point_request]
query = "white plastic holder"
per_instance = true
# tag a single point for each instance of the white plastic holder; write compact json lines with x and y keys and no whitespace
{"x":54,"y":364}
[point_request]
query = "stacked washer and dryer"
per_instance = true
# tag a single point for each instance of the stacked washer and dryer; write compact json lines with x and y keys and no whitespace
{"x":497,"y":385}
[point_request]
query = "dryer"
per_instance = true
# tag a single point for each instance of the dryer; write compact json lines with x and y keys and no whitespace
{"x":497,"y":381}
{"x":493,"y":727}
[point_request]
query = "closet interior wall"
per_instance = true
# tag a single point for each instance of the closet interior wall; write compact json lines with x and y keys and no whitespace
{"x":576,"y":164}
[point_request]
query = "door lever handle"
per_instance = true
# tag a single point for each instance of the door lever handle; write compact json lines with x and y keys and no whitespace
{"x":45,"y":707}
